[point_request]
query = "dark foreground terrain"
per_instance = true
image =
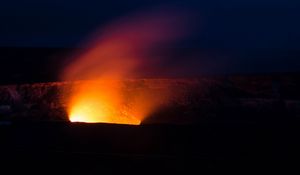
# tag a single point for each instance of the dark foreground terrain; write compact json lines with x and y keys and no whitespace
{"x":242,"y":122}
{"x":78,"y":148}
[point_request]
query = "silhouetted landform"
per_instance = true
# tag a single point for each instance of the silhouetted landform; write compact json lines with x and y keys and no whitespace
{"x":21,"y":65}
{"x":80,"y":148}
{"x":244,"y":123}
{"x":208,"y":99}
{"x":28,"y":64}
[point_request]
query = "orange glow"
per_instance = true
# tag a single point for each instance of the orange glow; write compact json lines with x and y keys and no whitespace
{"x":99,"y":101}
{"x":94,"y":111}
{"x":120,"y":52}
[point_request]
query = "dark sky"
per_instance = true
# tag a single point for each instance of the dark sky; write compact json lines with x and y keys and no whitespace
{"x":259,"y":31}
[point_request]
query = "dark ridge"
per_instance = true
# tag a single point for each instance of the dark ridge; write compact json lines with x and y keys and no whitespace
{"x":21,"y":65}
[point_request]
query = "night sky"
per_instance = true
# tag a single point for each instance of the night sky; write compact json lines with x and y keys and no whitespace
{"x":246,"y":36}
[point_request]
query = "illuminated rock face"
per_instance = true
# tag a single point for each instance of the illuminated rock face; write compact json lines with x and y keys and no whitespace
{"x":192,"y":100}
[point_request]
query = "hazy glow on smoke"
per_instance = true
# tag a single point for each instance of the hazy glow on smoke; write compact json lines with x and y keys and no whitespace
{"x":115,"y":54}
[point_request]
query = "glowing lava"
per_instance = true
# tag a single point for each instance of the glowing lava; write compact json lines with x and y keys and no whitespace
{"x":95,"y":102}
